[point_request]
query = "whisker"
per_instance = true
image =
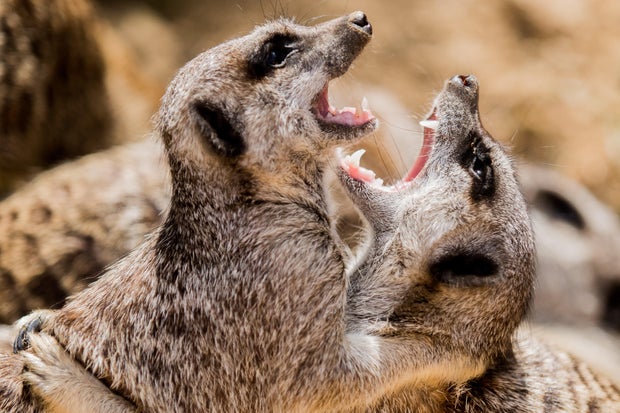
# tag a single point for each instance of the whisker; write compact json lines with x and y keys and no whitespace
{"x":248,"y":15}
{"x":514,"y":135}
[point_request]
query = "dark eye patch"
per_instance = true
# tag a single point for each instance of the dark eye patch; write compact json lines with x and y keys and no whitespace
{"x":558,"y":207}
{"x":476,"y":158}
{"x":464,"y":268}
{"x":272,"y":55}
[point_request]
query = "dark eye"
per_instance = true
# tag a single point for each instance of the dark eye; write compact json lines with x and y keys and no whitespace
{"x":611,"y":316}
{"x":480,"y":166}
{"x":272,"y":55}
{"x":477,"y":160}
{"x":278,"y":54}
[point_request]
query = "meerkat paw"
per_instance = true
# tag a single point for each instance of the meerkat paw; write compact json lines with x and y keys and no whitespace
{"x":32,"y":322}
{"x":63,"y":384}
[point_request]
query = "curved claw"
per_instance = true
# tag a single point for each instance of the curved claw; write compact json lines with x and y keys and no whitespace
{"x":22,"y":342}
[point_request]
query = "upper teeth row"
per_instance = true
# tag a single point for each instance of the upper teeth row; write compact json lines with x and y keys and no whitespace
{"x":431,"y":124}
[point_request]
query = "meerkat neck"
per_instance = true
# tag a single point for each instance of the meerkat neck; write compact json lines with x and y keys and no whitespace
{"x":207,"y":222}
{"x":222,"y":184}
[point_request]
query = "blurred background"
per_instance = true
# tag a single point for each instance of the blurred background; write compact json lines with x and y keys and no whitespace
{"x":550,"y":71}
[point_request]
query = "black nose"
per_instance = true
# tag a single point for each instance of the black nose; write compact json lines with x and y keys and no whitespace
{"x":359,"y":19}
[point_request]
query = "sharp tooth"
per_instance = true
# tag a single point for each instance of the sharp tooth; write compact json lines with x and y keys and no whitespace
{"x":365,"y":106}
{"x":354,"y":158}
{"x":431,"y":124}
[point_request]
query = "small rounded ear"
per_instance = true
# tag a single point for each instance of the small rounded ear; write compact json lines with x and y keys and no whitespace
{"x":468,"y":261}
{"x":217,"y":131}
{"x":464,"y":268}
{"x":560,"y":208}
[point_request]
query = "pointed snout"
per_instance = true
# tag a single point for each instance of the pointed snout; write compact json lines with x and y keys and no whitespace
{"x":342,"y":40}
{"x":359,"y":20}
{"x":463,"y":89}
{"x":465,"y":82}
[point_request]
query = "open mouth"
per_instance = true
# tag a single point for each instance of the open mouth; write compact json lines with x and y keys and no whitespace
{"x":351,"y":117}
{"x":351,"y":163}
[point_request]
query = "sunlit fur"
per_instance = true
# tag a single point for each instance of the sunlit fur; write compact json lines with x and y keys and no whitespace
{"x":469,"y":359}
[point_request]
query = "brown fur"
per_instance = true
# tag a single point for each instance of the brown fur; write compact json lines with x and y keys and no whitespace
{"x":221,"y":294}
{"x":78,"y":218}
{"x":60,"y":230}
{"x":535,"y":378}
{"x":53,"y":101}
{"x":14,"y":395}
{"x":468,"y":357}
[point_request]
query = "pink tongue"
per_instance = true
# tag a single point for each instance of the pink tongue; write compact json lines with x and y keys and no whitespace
{"x":350,"y":117}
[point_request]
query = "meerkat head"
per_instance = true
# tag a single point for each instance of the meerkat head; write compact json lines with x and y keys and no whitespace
{"x":453,"y":261}
{"x":261,"y":98}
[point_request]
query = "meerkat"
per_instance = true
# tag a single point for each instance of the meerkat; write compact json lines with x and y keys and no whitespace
{"x":578,"y":239}
{"x":59,"y":231}
{"x":53,"y":99}
{"x":453,"y":266}
{"x":239,"y":296}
